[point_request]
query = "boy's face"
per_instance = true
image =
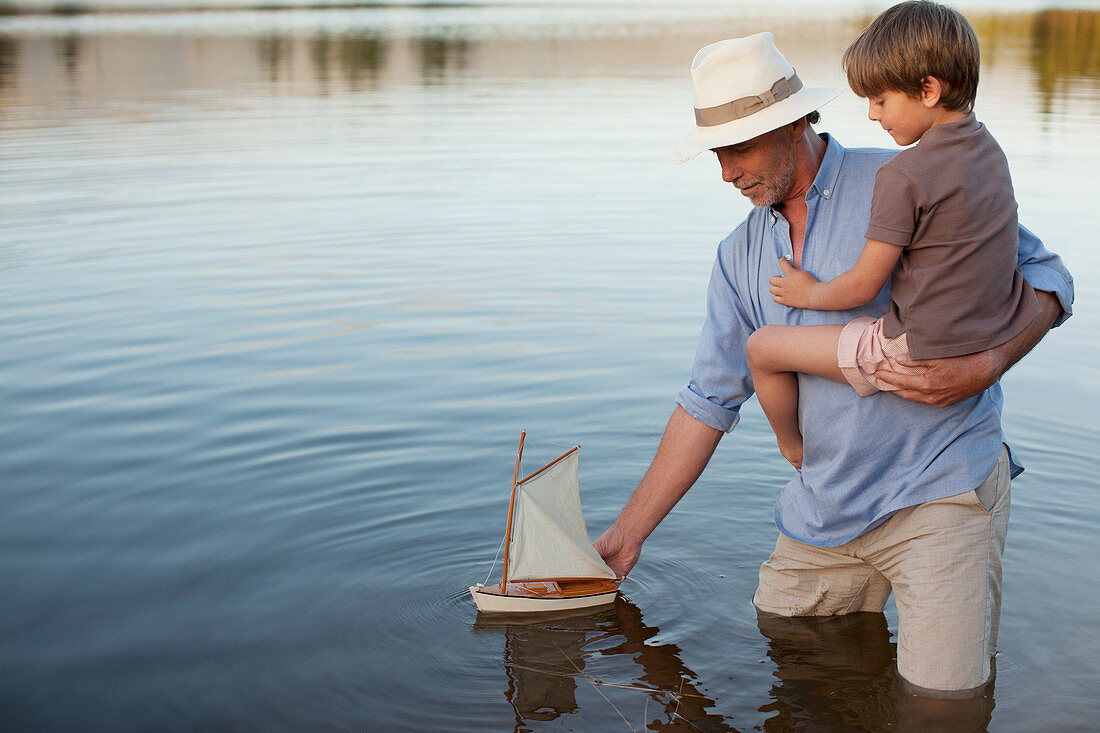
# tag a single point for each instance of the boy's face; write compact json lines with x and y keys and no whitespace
{"x":905,"y":117}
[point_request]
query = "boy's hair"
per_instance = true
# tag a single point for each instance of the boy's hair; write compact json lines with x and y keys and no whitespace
{"x":913,"y":40}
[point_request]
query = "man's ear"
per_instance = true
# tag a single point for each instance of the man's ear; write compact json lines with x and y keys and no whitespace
{"x":931,"y":89}
{"x":798,"y":127}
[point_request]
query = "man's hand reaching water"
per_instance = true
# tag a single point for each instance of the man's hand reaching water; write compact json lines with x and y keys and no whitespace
{"x":619,"y":551}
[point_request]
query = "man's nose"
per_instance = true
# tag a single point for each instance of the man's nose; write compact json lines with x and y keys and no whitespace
{"x":730,"y":170}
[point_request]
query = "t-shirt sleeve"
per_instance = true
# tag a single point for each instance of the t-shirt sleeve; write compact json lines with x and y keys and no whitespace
{"x":894,"y":206}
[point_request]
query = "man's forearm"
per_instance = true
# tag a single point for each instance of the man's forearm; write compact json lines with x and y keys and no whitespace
{"x":952,"y":379}
{"x":1014,"y":350}
{"x":684,"y":451}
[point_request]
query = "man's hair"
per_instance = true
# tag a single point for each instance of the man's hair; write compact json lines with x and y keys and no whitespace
{"x":913,"y":40}
{"x":814,"y":117}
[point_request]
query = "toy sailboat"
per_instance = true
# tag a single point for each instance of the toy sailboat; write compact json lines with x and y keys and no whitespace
{"x":549,"y":562}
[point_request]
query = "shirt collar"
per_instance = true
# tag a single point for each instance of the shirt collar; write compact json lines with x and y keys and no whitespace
{"x":827,"y":173}
{"x":824,"y":183}
{"x":964,"y":126}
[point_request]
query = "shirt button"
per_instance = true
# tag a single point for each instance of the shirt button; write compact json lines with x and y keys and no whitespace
{"x":826,"y":192}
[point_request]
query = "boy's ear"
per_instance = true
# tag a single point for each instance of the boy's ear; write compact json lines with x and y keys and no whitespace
{"x":931,"y":89}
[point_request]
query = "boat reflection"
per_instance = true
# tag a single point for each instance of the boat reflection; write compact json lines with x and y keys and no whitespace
{"x":547,"y":657}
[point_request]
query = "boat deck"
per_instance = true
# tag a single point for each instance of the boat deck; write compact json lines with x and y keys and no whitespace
{"x":554,"y":588}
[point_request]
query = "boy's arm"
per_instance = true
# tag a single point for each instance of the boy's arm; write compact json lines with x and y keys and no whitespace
{"x":859,"y":285}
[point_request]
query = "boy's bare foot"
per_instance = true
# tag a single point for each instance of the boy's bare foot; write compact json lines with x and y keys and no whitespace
{"x":792,"y":452}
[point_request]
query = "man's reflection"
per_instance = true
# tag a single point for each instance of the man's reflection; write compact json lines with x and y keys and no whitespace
{"x":838,"y":673}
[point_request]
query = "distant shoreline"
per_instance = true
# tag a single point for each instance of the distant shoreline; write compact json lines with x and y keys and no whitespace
{"x":81,"y":7}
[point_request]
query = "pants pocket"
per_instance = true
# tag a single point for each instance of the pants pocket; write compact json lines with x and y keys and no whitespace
{"x":986,"y":494}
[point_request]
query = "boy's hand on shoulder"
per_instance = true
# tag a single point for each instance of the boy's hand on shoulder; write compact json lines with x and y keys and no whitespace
{"x":794,"y":287}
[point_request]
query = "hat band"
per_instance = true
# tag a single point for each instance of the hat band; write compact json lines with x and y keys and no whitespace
{"x":745,"y":106}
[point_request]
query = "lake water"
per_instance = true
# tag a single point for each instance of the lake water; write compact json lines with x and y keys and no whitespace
{"x":280,"y":288}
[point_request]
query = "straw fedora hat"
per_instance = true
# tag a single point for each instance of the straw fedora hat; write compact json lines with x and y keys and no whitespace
{"x":744,"y":88}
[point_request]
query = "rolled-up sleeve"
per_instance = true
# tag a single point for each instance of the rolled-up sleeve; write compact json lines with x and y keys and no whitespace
{"x":1045,"y":271}
{"x":720,"y":378}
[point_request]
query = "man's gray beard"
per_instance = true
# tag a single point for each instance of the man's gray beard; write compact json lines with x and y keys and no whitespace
{"x":777,"y":191}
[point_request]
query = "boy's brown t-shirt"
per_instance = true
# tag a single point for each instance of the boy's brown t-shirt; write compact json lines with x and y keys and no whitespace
{"x":949,"y":202}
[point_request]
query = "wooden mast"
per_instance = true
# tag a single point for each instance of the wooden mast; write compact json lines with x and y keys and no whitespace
{"x":511,"y":512}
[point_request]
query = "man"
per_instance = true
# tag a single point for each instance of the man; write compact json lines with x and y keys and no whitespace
{"x":908,"y":495}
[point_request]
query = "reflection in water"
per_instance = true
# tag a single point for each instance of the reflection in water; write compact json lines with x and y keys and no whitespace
{"x":839,"y":668}
{"x":833,"y":673}
{"x":838,"y":673}
{"x":1060,"y":47}
{"x":68,"y":49}
{"x":541,"y":668}
{"x":440,"y":55}
{"x":7,"y":61}
{"x":358,"y":57}
{"x":545,"y":659}
{"x":274,"y":52}
{"x":350,"y":59}
{"x":1064,"y":49}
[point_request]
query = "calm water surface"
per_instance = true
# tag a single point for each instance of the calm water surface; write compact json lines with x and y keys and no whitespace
{"x":279,"y":290}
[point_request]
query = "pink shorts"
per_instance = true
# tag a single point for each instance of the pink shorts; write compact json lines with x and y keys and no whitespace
{"x":862,"y":349}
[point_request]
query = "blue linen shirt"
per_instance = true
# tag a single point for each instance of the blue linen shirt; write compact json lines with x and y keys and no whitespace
{"x":864,"y":457}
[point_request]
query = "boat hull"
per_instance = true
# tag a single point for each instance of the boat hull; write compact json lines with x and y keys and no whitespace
{"x":542,"y":596}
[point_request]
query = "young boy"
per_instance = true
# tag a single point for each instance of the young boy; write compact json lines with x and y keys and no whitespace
{"x":942,"y":229}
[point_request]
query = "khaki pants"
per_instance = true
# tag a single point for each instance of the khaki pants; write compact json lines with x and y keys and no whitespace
{"x":942,"y":559}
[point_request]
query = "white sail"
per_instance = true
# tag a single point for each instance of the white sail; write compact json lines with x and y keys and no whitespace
{"x":549,"y":539}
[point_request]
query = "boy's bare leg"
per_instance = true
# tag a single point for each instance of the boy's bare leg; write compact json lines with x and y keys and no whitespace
{"x":774,"y":354}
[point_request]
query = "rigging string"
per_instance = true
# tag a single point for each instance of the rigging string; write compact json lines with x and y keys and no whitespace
{"x":493,"y":566}
{"x":536,"y":448}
